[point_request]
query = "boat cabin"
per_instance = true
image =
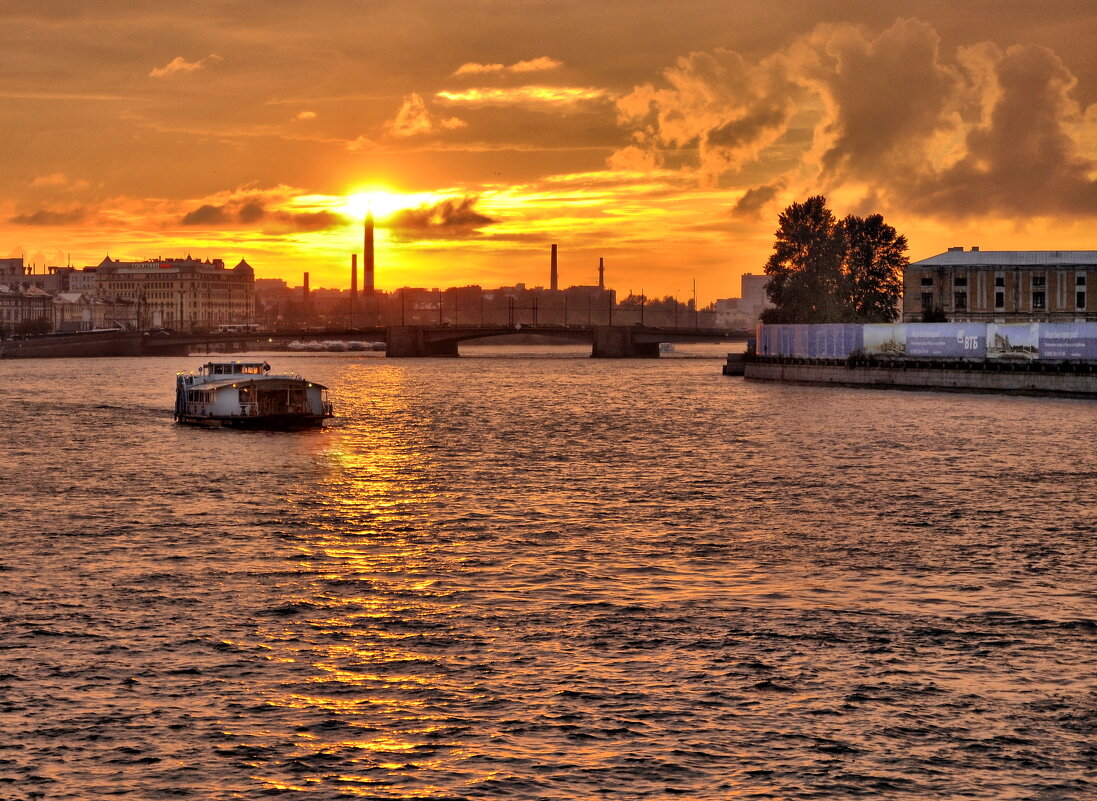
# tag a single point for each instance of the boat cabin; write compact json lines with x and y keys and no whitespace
{"x":235,"y":368}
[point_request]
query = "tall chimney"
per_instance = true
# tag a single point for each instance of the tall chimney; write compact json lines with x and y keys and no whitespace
{"x":601,"y":273}
{"x":553,"y":278}
{"x":305,"y":289}
{"x":353,"y":280}
{"x":367,"y":256}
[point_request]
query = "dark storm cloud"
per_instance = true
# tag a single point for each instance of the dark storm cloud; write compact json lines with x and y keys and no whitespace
{"x":254,"y":212}
{"x":44,"y":217}
{"x":207,"y":215}
{"x":444,"y":218}
{"x":754,"y":200}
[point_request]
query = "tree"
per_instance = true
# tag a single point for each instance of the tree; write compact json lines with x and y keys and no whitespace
{"x":825,"y":271}
{"x":874,"y":262}
{"x":806,"y":282}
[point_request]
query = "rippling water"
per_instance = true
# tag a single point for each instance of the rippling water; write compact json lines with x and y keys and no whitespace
{"x":544,"y":578}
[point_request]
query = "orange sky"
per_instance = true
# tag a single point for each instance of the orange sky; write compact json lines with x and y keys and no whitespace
{"x":663,"y":137}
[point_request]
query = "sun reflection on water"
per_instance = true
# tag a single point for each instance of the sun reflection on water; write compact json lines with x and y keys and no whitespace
{"x":372,"y":687}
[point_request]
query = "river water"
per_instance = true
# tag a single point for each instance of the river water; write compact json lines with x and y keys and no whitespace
{"x":525,"y":574}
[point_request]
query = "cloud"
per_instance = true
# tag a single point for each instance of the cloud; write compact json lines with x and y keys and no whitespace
{"x":754,"y":200}
{"x":58,"y":180}
{"x":530,"y":96}
{"x":889,"y":116}
{"x":301,"y":116}
{"x":180,"y":64}
{"x":253,"y":211}
{"x":444,"y":218}
{"x":415,"y":119}
{"x":727,"y":108}
{"x":208,"y":215}
{"x":1021,"y":158}
{"x":532,"y":65}
{"x":46,"y":217}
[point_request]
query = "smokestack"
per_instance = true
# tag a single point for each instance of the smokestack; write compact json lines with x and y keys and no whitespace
{"x":353,"y":279}
{"x":305,"y":289}
{"x":553,"y":278}
{"x":367,"y":256}
{"x":601,"y":273}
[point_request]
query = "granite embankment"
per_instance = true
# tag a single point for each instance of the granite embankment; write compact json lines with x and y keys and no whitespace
{"x":106,"y":343}
{"x":1074,"y":379}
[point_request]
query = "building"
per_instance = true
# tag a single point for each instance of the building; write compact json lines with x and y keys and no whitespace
{"x":76,"y":311}
{"x":744,"y":311}
{"x":1001,"y":286}
{"x":185,"y":294}
{"x":25,"y":310}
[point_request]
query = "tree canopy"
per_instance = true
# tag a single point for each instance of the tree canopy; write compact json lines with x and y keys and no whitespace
{"x":824,"y":270}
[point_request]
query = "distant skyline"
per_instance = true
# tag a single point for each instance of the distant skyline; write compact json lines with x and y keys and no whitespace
{"x":664,"y":138}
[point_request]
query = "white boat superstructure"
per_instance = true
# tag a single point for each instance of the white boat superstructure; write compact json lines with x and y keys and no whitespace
{"x":248,"y":395}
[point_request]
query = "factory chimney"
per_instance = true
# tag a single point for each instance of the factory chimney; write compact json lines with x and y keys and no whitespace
{"x":554,"y":282}
{"x":601,"y":273}
{"x":367,"y":256}
{"x":353,"y":280}
{"x":305,"y":289}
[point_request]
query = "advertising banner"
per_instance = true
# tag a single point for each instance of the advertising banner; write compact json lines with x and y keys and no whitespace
{"x":834,"y":341}
{"x":946,"y":340}
{"x":995,"y":341}
{"x":1013,"y":341}
{"x":823,"y":341}
{"x":1067,"y":341}
{"x":885,"y":339}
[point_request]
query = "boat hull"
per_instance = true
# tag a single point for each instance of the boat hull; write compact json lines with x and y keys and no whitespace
{"x":265,"y":422}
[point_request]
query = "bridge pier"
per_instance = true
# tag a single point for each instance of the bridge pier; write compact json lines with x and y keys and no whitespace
{"x":411,"y":341}
{"x":619,"y":342}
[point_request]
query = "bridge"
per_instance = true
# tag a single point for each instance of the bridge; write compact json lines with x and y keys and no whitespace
{"x":410,"y":341}
{"x":607,"y":341}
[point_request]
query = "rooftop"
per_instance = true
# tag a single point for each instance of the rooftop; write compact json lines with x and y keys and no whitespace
{"x":975,"y":257}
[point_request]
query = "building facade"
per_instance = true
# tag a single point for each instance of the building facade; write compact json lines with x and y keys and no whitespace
{"x":25,"y":310}
{"x":1002,"y":286}
{"x":76,"y":311}
{"x":745,"y":310}
{"x":183,"y":294}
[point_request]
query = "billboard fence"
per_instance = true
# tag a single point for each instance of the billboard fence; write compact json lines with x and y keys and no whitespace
{"x":965,"y":341}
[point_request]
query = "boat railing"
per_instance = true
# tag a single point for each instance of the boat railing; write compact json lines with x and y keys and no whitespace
{"x":200,"y":409}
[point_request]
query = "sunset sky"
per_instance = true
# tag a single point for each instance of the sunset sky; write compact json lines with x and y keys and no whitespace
{"x":664,"y":137}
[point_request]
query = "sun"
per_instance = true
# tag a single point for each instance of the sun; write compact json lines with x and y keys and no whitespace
{"x":382,"y":202}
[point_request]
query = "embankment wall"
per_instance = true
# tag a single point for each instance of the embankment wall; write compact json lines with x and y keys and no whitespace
{"x":1068,"y":383}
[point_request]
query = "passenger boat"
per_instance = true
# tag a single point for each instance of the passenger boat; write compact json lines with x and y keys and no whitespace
{"x":247,"y":395}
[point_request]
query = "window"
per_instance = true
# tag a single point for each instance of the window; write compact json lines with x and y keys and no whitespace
{"x":1079,"y":300}
{"x":927,"y":301}
{"x":1037,"y":300}
{"x":1079,"y":280}
{"x":927,"y":280}
{"x":999,"y":300}
{"x":1039,"y":280}
{"x":959,"y":300}
{"x":959,"y":281}
{"x":999,"y":280}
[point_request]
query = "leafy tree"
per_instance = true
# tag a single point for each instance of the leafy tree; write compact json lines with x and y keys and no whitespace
{"x":806,"y":282}
{"x":874,"y":262}
{"x":825,"y":271}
